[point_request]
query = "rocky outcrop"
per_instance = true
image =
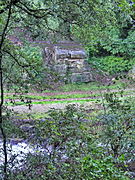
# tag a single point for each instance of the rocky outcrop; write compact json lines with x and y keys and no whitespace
{"x":68,"y":59}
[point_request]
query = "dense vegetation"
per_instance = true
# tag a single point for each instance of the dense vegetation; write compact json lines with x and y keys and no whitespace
{"x":106,"y":29}
{"x":79,"y":143}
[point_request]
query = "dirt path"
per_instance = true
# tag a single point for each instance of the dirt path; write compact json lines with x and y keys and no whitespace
{"x":74,"y":92}
{"x":41,"y":108}
{"x":45,"y":107}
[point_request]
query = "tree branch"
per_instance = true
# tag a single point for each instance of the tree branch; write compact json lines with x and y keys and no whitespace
{"x":14,"y":2}
{"x":2,"y":91}
{"x":32,"y":12}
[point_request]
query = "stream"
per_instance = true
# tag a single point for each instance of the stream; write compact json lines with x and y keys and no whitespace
{"x":18,"y":151}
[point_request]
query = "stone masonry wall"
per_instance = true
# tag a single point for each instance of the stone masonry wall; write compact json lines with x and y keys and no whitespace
{"x":68,"y":59}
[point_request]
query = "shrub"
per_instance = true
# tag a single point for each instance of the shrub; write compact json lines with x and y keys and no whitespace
{"x":71,"y":150}
{"x":118,"y":127}
{"x":112,"y":64}
{"x":100,"y":169}
{"x":75,"y":153}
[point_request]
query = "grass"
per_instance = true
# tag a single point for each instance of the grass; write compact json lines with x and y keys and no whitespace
{"x":62,"y":96}
{"x":81,"y":101}
{"x":80,"y":87}
{"x":57,"y":101}
{"x":89,"y":86}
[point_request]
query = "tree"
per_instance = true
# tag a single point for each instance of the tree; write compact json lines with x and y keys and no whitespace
{"x":114,"y":34}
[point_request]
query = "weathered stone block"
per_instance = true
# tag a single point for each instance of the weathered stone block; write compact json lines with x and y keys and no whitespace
{"x":78,"y":54}
{"x":132,"y":73}
{"x":81,"y":77}
{"x":74,"y":69}
{"x":61,"y":68}
{"x":75,"y":77}
{"x":87,"y":77}
{"x":61,"y":54}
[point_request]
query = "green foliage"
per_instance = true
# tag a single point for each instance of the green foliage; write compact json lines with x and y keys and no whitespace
{"x":117,"y":43}
{"x":113,"y":34}
{"x":72,"y":151}
{"x":111,"y":64}
{"x":54,"y":128}
{"x":102,"y":168}
{"x":24,"y":69}
{"x":9,"y":126}
{"x":23,"y":65}
{"x":118,"y":129}
{"x":32,"y":55}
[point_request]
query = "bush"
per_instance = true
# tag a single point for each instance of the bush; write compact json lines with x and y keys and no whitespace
{"x":118,"y":122}
{"x":72,"y":150}
{"x":111,"y":64}
{"x":100,"y":169}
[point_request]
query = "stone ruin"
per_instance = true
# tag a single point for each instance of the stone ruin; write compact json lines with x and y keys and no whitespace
{"x":68,"y":59}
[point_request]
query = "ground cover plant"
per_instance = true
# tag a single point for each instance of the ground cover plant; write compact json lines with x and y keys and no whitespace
{"x":112,"y":65}
{"x":53,"y":102}
{"x":118,"y":129}
{"x":53,"y":97}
